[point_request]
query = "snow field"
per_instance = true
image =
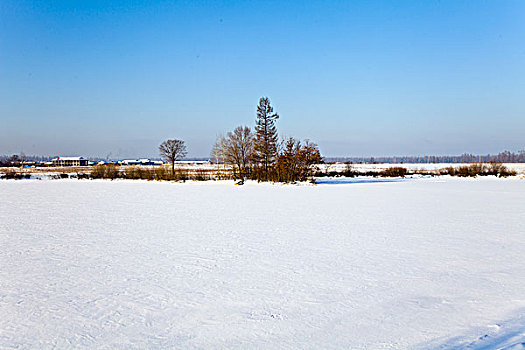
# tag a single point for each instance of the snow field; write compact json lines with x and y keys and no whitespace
{"x":422,"y":263}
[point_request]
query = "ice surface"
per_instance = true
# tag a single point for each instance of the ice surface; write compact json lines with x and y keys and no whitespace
{"x":422,"y":263}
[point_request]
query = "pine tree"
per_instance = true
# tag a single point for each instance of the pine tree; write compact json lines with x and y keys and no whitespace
{"x":265,"y":146}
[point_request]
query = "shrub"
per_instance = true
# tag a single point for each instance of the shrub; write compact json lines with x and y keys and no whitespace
{"x":108,"y":171}
{"x":139,"y":173}
{"x":471,"y":170}
{"x":82,"y":176}
{"x":394,"y":172}
{"x":494,"y":168}
{"x":349,"y":171}
{"x":111,"y":172}
{"x":132,"y":173}
{"x":162,"y":173}
{"x":12,"y":174}
{"x":180,"y":175}
{"x":504,"y":172}
{"x":429,"y":172}
{"x":498,"y":169}
{"x":201,"y":175}
{"x":462,"y":171}
{"x":448,"y":171}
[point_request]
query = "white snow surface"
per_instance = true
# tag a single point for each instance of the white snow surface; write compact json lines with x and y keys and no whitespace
{"x":417,"y":263}
{"x":518,"y":167}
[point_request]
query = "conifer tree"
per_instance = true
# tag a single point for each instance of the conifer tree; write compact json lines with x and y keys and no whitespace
{"x":265,"y":145}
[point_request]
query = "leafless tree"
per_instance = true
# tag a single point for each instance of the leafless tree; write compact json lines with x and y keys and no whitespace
{"x":172,"y":150}
{"x":238,"y":150}
{"x":218,"y":152}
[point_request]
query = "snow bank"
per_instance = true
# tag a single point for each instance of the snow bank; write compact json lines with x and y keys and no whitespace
{"x":130,"y":264}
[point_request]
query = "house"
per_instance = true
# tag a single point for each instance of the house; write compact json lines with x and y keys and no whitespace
{"x":144,"y":161}
{"x":70,"y":161}
{"x":130,"y":162}
{"x":193,"y":162}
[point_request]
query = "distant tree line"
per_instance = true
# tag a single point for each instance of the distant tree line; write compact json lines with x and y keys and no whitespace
{"x":258,"y":154}
{"x":16,"y":160}
{"x":503,"y":157}
{"x":471,"y":170}
{"x":11,"y":161}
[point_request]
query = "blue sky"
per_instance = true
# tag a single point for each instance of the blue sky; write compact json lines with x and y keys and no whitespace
{"x":360,"y":78}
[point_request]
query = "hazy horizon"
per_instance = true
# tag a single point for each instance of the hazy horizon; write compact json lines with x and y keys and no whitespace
{"x":358,"y":78}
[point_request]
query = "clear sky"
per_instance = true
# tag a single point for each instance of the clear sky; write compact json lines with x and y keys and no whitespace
{"x":360,"y":78}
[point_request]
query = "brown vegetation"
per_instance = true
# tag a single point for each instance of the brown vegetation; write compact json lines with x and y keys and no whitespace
{"x":161,"y":173}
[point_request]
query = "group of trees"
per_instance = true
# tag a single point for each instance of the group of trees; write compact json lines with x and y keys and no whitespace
{"x":259,"y":155}
{"x":502,"y":157}
{"x":11,"y":161}
{"x":510,"y":157}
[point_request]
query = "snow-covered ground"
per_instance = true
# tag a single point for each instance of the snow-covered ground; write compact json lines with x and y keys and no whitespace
{"x":43,"y":172}
{"x":518,"y":167}
{"x":363,"y":264}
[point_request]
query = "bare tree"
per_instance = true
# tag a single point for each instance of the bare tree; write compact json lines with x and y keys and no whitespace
{"x":238,"y":150}
{"x":217,"y":152}
{"x":172,"y":150}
